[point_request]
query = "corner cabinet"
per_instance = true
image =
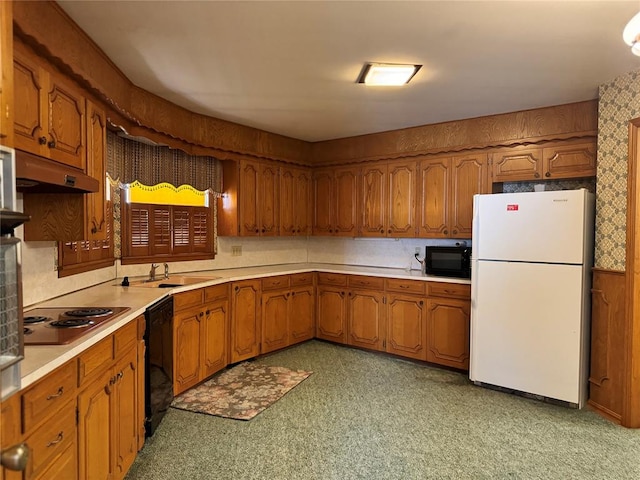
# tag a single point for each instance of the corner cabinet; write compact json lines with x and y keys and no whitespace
{"x":331,"y":307}
{"x":447,"y":187}
{"x":245,"y":320}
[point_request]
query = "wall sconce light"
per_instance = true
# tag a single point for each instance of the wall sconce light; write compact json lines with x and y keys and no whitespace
{"x":631,"y":34}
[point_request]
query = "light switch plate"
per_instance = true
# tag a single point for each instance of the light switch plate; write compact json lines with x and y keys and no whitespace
{"x":236,"y":250}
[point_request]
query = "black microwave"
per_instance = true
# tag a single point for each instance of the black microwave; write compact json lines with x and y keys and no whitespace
{"x":452,"y":261}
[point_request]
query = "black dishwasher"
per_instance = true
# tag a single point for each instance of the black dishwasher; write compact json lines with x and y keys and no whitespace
{"x":158,"y":363}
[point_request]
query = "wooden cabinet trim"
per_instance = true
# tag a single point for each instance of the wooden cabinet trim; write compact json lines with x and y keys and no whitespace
{"x":188,"y":299}
{"x":95,"y":360}
{"x":405,"y":286}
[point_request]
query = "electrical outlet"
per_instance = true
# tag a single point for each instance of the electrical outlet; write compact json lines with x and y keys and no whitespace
{"x":236,"y":250}
{"x":417,"y":250}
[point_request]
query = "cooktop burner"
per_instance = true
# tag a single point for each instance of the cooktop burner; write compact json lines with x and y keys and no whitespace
{"x":33,"y":320}
{"x":89,"y":312}
{"x":62,"y":325}
{"x":71,"y":323}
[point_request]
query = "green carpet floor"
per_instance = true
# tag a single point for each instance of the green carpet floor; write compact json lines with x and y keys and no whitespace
{"x":369,"y":416}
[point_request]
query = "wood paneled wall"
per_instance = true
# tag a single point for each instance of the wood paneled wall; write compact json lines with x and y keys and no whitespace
{"x":607,"y":337}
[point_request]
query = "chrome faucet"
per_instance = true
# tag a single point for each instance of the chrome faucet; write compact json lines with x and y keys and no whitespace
{"x":166,"y":271}
{"x":152,"y":272}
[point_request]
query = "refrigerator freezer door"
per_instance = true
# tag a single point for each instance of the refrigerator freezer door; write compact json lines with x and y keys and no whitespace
{"x":531,"y":227}
{"x":526,"y":328}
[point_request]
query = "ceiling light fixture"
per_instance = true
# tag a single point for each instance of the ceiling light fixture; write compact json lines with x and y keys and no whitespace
{"x":387,"y":74}
{"x":631,"y":34}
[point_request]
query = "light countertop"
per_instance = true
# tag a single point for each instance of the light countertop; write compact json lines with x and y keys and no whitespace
{"x":43,"y":359}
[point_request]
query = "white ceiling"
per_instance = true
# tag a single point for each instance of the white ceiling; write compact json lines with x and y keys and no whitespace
{"x":291,"y":67}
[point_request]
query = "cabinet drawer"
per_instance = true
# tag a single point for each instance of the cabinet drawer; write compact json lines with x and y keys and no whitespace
{"x":405,"y":286}
{"x":187,"y":299}
{"x":360,"y":281}
{"x":95,"y":360}
{"x":301,"y":279}
{"x":46,"y":396}
{"x":51,"y":439}
{"x":332,"y":279}
{"x":125,"y":338}
{"x":449,"y":290}
{"x":216,"y":292}
{"x":65,"y":466}
{"x":274,"y":283}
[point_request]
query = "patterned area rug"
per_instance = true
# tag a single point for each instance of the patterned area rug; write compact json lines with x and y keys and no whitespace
{"x":241,"y":392}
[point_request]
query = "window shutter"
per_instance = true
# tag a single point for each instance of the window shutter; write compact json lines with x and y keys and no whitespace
{"x":181,"y":230}
{"x":161,"y":238}
{"x":201,"y":237}
{"x":139,"y":230}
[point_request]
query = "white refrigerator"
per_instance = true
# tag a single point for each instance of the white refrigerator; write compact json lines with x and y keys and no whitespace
{"x":530,"y":292}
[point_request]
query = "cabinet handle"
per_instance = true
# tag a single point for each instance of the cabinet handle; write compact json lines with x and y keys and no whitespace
{"x":112,"y":380}
{"x":548,"y":174}
{"x":52,"y":144}
{"x":293,"y":293}
{"x":446,"y":232}
{"x":56,"y":441}
{"x":42,"y":140}
{"x":237,"y":288}
{"x":56,"y":395}
{"x":404,"y":286}
{"x":257,"y":230}
{"x":421,"y":302}
{"x":455,"y":232}
{"x":120,"y":375}
{"x":201,"y":314}
{"x":288,"y":293}
{"x":208,"y":312}
{"x":536,"y":175}
{"x":389,"y":231}
{"x":382,"y":230}
{"x":330,"y":230}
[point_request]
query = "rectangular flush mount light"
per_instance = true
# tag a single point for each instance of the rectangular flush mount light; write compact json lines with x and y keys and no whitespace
{"x":388,"y":74}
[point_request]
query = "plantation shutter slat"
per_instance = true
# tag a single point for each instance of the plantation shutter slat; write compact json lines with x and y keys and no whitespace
{"x":181,"y":229}
{"x":161,"y":239}
{"x":201,"y":235}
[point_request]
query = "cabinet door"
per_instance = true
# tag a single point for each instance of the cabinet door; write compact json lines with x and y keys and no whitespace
{"x":345,"y":202}
{"x":95,"y":446}
{"x":570,"y":161}
{"x":65,"y":466}
{"x":301,"y":315}
{"x":448,"y":332}
{"x":29,"y":85}
{"x":434,"y":197}
{"x":66,"y":123}
{"x":186,"y":349}
{"x":96,"y":168}
{"x":245,"y":324}
{"x":323,"y":202}
{"x":268,"y":200}
{"x":401,"y":201}
{"x":6,"y":76}
{"x":287,"y":202}
{"x":213,"y":338}
{"x":301,"y":202}
{"x":517,"y":164}
{"x":274,"y":320}
{"x":366,"y":319}
{"x":249,"y":178}
{"x":406,"y":326}
{"x":125,"y":428}
{"x":331,"y":314}
{"x":373,"y":195}
{"x":468,"y":176}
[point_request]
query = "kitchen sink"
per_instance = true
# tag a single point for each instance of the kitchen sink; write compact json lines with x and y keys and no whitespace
{"x":171,"y":282}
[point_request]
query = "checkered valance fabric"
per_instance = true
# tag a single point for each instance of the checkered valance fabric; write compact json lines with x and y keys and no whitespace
{"x":129,"y":160}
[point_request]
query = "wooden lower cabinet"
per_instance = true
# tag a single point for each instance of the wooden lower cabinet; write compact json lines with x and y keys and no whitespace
{"x":366,"y":319}
{"x":301,"y":314}
{"x":64,"y":466}
{"x":331,"y":314}
{"x":448,"y":332}
{"x":406,"y":326}
{"x":275,"y":324}
{"x":199,"y":336}
{"x":245,"y":323}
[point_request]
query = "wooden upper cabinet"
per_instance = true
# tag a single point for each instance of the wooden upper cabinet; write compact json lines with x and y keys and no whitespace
{"x":334,"y":201}
{"x":575,"y":159}
{"x":6,"y":74}
{"x":295,"y":201}
{"x":258,"y":199}
{"x":433,"y":207}
{"x":373,"y":194}
{"x":50,"y":117}
{"x":446,"y":194}
{"x":245,"y":320}
{"x":96,"y":168}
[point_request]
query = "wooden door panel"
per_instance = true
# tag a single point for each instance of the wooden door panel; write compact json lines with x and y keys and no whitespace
{"x":406,"y":326}
{"x":373,"y":196}
{"x":346,"y":202}
{"x":96,"y":168}
{"x":570,"y":161}
{"x":366,"y":319}
{"x":66,"y":111}
{"x":213,"y":338}
{"x":401,"y":204}
{"x":126,"y":428}
{"x":274,"y":320}
{"x":448,"y":332}
{"x":29,"y":116}
{"x":517,"y":164}
{"x":302,"y":202}
{"x":287,"y":202}
{"x":468,"y":177}
{"x":268,"y":200}
{"x":186,"y":349}
{"x":245,"y":332}
{"x":323,"y":202}
{"x":331,"y":314}
{"x":434,"y":197}
{"x":301,"y":315}
{"x":248,"y":199}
